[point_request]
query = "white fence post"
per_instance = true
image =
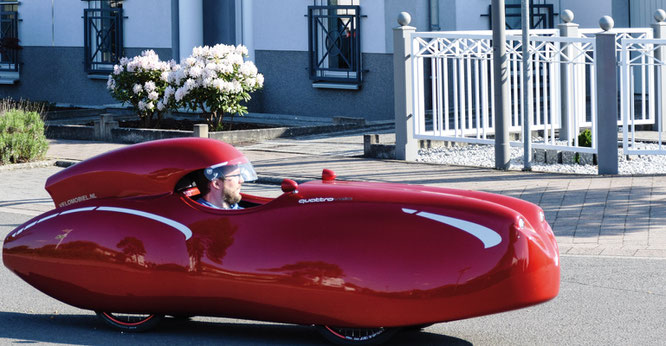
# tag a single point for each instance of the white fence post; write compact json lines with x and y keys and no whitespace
{"x":405,"y":144}
{"x":659,"y":29}
{"x":607,"y":103}
{"x":567,"y":106}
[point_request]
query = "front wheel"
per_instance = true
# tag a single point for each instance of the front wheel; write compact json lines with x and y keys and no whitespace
{"x":130,"y":322}
{"x":357,"y":336}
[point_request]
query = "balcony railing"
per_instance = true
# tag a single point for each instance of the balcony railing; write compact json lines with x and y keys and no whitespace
{"x":9,"y":43}
{"x":103,"y":39}
{"x":335,"y":44}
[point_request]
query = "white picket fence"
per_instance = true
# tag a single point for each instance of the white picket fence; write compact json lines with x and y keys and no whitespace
{"x":456,"y":104}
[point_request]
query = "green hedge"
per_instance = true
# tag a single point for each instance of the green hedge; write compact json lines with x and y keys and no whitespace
{"x":22,"y":137}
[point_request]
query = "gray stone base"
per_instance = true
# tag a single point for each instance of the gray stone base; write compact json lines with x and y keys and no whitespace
{"x":107,"y":130}
{"x":564,"y":157}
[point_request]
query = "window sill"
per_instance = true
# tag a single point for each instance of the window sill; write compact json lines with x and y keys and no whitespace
{"x":9,"y":78}
{"x":98,"y":76}
{"x":342,"y":86}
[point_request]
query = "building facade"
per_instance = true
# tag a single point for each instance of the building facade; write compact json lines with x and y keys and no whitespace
{"x":319,"y":57}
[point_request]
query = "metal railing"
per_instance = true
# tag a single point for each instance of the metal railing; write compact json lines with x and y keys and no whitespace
{"x":334,"y":43}
{"x":642,"y":63}
{"x":103,"y":39}
{"x":456,"y":104}
{"x":9,"y":47}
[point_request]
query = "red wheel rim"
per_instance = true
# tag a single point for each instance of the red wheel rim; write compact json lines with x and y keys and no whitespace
{"x":355,"y":334}
{"x":125,"y":323}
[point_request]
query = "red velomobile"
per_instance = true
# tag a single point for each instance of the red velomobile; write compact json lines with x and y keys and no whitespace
{"x":357,"y":259}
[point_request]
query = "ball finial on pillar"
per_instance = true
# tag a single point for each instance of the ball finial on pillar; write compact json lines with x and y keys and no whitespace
{"x":606,"y":23}
{"x":404,"y":19}
{"x":660,"y":15}
{"x":567,"y":16}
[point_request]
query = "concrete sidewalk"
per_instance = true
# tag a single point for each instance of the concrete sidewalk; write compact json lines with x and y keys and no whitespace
{"x":590,"y":215}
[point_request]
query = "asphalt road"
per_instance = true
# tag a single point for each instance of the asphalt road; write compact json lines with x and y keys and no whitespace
{"x":602,"y":301}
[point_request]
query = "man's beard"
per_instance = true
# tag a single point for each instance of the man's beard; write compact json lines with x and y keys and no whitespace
{"x":232,"y":197}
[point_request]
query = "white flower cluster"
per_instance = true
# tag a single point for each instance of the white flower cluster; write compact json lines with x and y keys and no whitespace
{"x":220,"y":68}
{"x":147,"y":61}
{"x":147,"y":92}
{"x":150,"y":84}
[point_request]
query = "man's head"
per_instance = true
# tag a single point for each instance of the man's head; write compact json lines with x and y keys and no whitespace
{"x":221,"y":184}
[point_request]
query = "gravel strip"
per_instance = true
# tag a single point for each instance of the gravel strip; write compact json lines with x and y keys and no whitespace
{"x":484,"y":156}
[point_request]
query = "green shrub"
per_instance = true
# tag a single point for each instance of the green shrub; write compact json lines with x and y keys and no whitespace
{"x":585,"y":138}
{"x":22,"y":136}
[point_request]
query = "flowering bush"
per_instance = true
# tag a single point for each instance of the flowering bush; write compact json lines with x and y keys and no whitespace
{"x":141,"y":82}
{"x":214,"y":79}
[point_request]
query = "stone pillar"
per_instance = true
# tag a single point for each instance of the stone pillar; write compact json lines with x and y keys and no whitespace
{"x":567,"y":107}
{"x":200,"y":130}
{"x":405,"y":144}
{"x":659,"y":29}
{"x":607,"y":103}
{"x":103,"y":127}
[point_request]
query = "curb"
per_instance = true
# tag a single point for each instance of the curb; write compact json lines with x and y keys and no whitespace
{"x":26,"y":165}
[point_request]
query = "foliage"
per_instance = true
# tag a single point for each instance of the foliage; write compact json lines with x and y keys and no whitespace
{"x":21,"y":136}
{"x":216,"y":80}
{"x":141,"y":82}
{"x":8,"y":104}
{"x":585,"y":138}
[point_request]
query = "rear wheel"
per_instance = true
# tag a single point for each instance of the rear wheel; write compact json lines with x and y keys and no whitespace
{"x":357,"y":336}
{"x":130,"y":322}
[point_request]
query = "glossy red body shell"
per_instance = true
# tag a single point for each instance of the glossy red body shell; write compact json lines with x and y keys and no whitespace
{"x":329,"y":252}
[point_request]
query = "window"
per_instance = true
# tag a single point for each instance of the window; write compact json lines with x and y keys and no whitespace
{"x":103,"y":35}
{"x":335,"y":45}
{"x":9,"y":42}
{"x":542,"y":15}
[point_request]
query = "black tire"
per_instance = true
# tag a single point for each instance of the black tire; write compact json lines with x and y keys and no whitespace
{"x":418,"y":327}
{"x":130,"y":322}
{"x":356,"y":336}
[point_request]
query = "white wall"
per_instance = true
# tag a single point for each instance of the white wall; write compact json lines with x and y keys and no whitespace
{"x":642,"y":12}
{"x":417,"y":9}
{"x":35,"y":27}
{"x":41,"y":20}
{"x":468,"y":16}
{"x":588,"y":13}
{"x":280,"y":25}
{"x":60,"y":23}
{"x":68,"y":22}
{"x":373,"y":27}
{"x":148,"y":23}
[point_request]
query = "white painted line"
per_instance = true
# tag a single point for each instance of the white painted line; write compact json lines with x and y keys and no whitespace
{"x":487,"y":236}
{"x":618,"y":257}
{"x":177,"y":225}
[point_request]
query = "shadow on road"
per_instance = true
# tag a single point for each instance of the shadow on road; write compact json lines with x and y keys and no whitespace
{"x":87,"y":330}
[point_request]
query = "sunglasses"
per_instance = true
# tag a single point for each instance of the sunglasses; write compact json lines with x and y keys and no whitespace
{"x":232,"y":176}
